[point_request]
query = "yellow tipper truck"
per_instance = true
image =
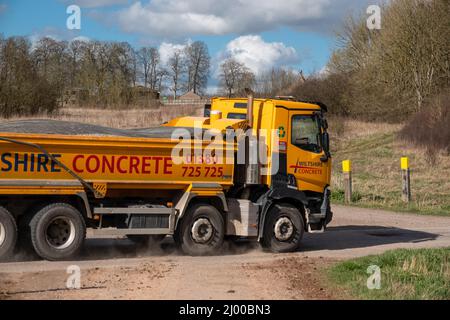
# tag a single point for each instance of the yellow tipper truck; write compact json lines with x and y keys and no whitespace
{"x":253,"y":168}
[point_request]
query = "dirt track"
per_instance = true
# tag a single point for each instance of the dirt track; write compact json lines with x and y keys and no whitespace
{"x":116,"y":269}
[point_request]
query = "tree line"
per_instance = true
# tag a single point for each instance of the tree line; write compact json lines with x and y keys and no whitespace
{"x":236,"y":76}
{"x":391,"y":73}
{"x":41,"y":77}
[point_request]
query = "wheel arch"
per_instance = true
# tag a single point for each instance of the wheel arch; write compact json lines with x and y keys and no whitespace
{"x":218,"y":201}
{"x":279,"y":196}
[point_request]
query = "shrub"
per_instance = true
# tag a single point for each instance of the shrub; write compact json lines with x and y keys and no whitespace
{"x":429,"y":127}
{"x":328,"y":89}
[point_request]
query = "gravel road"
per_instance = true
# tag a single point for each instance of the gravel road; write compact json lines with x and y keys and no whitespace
{"x":116,"y":269}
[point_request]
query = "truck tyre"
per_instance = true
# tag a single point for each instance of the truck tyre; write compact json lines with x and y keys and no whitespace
{"x":201,"y":231}
{"x":283,"y":228}
{"x":8,"y":234}
{"x":57,"y":231}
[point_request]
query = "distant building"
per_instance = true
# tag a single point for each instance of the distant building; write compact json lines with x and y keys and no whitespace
{"x":190,"y":96}
{"x":141,"y":92}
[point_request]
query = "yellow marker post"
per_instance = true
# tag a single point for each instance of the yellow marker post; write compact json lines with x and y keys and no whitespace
{"x":347,"y":171}
{"x":406,"y":180}
{"x":346,"y":166}
{"x":404,"y":162}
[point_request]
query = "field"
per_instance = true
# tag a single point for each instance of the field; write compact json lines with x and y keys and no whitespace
{"x":375,"y":151}
{"x":122,"y":118}
{"x":405,"y":274}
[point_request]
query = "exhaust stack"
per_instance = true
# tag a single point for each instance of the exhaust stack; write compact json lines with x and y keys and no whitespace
{"x":252,"y":169}
{"x":250,"y":98}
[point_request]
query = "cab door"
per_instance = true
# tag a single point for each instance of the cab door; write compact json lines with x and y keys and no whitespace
{"x":307,"y":160}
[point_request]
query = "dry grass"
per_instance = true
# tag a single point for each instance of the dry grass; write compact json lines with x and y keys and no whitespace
{"x":375,"y":151}
{"x":344,"y":128}
{"x":132,"y":118}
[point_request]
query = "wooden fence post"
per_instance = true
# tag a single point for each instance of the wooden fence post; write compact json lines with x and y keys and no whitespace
{"x":347,"y":171}
{"x":406,"y":181}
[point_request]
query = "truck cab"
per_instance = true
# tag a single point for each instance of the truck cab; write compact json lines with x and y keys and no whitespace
{"x":303,"y":150}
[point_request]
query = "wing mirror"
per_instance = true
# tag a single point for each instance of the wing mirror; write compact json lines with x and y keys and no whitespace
{"x":326,"y":146}
{"x":326,"y":141}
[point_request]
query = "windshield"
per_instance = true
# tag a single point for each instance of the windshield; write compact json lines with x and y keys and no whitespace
{"x":306,"y":133}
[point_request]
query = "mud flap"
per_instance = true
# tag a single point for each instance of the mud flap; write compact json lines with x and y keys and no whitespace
{"x":325,"y":208}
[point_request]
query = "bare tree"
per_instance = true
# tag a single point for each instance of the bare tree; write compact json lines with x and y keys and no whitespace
{"x":51,"y":59}
{"x":154,"y":68}
{"x":279,"y":81}
{"x":145,"y":64}
{"x":400,"y":66}
{"x":198,"y":62}
{"x":74,"y":51}
{"x":177,"y":67}
{"x":414,"y":50}
{"x":235,"y":76}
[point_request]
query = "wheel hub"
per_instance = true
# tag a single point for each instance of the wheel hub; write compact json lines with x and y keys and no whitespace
{"x":284,"y":229}
{"x":60,"y":233}
{"x":2,"y":233}
{"x":202,"y":230}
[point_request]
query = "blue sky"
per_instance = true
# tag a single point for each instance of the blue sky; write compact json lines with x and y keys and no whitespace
{"x":260,"y":33}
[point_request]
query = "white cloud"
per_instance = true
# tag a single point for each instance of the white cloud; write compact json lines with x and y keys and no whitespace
{"x":181,"y":18}
{"x":178,"y":18}
{"x":212,"y":90}
{"x":96,"y":3}
{"x":58,"y":34}
{"x":151,"y":20}
{"x":166,"y":50}
{"x":325,"y":71}
{"x":259,"y":55}
{"x":81,"y":38}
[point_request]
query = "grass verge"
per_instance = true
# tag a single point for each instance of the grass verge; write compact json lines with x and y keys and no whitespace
{"x":375,"y":151}
{"x":405,"y":274}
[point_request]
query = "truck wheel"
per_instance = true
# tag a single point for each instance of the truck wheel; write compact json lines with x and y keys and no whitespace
{"x":201,"y":231}
{"x":284,"y":228}
{"x":57,"y":231}
{"x":8,"y":234}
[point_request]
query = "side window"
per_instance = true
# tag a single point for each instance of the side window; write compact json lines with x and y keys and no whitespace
{"x":207,"y":111}
{"x":241,"y":116}
{"x":240,"y":105}
{"x":305,"y":133}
